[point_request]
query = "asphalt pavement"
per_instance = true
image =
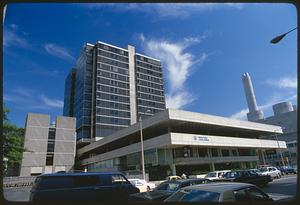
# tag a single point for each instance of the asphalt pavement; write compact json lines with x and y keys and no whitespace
{"x":287,"y":185}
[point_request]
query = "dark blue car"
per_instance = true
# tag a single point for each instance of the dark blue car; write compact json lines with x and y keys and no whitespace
{"x":85,"y":186}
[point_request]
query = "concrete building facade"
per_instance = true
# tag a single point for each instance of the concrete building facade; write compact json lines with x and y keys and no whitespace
{"x":177,"y":141}
{"x":113,"y":88}
{"x":48,"y":148}
{"x":285,"y":116}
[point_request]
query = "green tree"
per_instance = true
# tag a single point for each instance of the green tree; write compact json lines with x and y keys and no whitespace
{"x":13,"y":144}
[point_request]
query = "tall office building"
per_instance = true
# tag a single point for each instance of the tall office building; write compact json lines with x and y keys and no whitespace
{"x":113,"y":87}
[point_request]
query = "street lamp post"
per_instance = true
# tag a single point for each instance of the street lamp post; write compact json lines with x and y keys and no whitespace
{"x":278,"y":38}
{"x":142,"y":146}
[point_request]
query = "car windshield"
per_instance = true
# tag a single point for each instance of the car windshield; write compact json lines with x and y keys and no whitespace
{"x":168,"y":187}
{"x":263,"y":169}
{"x":232,"y":174}
{"x":195,"y":196}
{"x":134,"y":181}
{"x":212,"y":174}
{"x":254,"y":172}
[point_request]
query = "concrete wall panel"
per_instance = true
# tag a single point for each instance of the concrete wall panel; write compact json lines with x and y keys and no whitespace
{"x":34,"y":159}
{"x":65,"y":134}
{"x":63,"y":159}
{"x":66,"y":122}
{"x":38,"y":120}
{"x":36,"y":133}
{"x":64,"y":147}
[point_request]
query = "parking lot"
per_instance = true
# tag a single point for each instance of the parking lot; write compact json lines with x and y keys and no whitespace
{"x":286,"y":185}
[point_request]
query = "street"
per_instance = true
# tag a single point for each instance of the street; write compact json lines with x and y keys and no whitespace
{"x":286,"y":185}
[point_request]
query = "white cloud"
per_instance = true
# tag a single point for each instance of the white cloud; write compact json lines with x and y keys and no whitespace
{"x":30,"y":100}
{"x":58,"y":51}
{"x":52,"y":103}
{"x":179,"y":100}
{"x":178,"y":64}
{"x":242,"y":115}
{"x":277,"y":97}
{"x":165,"y":10}
{"x":285,"y":82}
{"x":14,"y":26}
{"x":12,"y":38}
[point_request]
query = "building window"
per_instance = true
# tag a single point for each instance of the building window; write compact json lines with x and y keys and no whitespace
{"x":234,"y":152}
{"x":202,"y":152}
{"x":49,"y":159}
{"x":51,"y":135}
{"x":50,"y":146}
{"x":225,"y":152}
{"x":214,"y":152}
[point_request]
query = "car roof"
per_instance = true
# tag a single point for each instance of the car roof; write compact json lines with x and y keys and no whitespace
{"x":219,"y":187}
{"x":79,"y":174}
{"x":220,"y":171}
{"x":186,"y":180}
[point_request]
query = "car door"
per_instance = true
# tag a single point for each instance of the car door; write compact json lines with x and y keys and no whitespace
{"x":250,"y":194}
{"x":272,"y":172}
{"x":256,"y":194}
{"x":105,"y":188}
{"x":121,"y":186}
{"x":253,"y":179}
{"x":241,"y":195}
{"x":86,"y":187}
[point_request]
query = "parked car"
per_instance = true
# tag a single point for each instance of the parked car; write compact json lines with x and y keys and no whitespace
{"x":272,"y":171}
{"x":142,"y":185}
{"x":215,"y":175}
{"x":289,"y":170}
{"x":247,"y":176}
{"x":219,"y":192}
{"x":165,"y":189}
{"x":91,"y":186}
{"x":173,"y":177}
{"x":257,"y":171}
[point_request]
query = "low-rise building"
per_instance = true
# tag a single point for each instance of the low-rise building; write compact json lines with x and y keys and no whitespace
{"x":285,"y":116}
{"x":48,"y":148}
{"x":177,"y":142}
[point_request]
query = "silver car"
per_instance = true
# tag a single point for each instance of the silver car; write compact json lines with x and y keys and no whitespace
{"x":219,"y":192}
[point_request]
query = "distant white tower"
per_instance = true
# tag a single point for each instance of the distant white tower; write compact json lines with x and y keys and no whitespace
{"x":254,"y":113}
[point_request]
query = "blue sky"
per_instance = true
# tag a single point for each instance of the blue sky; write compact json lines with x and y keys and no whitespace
{"x":204,"y":49}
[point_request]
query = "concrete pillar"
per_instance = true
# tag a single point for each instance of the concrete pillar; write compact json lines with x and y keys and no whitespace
{"x":195,"y":152}
{"x":173,"y":168}
{"x":212,"y":167}
{"x":263,"y":156}
{"x":132,"y":85}
{"x":209,"y":152}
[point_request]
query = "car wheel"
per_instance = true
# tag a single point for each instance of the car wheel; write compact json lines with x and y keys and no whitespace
{"x":148,"y":188}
